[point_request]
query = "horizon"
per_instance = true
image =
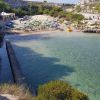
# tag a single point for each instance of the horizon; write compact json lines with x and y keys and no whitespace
{"x":58,"y":1}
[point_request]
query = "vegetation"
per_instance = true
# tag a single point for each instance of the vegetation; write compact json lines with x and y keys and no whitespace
{"x":58,"y":90}
{"x":97,"y":7}
{"x":40,"y":8}
{"x":16,"y":91}
{"x":5,"y":6}
{"x":54,"y":90}
{"x":77,"y":17}
{"x":78,"y":8}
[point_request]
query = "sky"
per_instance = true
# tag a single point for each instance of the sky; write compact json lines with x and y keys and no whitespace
{"x":59,"y":1}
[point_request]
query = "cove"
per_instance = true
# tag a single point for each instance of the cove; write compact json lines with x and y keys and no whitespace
{"x":71,"y":57}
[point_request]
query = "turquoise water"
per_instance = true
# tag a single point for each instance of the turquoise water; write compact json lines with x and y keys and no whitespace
{"x":59,"y":56}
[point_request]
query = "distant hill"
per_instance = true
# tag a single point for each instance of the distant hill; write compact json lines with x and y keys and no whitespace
{"x":19,"y":3}
{"x":16,"y":3}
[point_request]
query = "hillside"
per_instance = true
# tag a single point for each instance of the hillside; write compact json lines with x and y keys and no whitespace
{"x":16,"y":3}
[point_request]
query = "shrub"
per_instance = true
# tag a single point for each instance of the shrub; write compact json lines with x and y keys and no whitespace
{"x":97,"y":7}
{"x":77,"y":17}
{"x":13,"y":89}
{"x":58,"y":90}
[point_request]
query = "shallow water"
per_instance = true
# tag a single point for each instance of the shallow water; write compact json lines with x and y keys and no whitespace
{"x":72,"y":58}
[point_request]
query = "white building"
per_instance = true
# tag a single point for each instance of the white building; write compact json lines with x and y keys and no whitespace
{"x":7,"y":16}
{"x":84,"y":2}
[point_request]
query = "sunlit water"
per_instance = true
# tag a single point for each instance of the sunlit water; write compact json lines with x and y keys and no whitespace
{"x":59,"y":56}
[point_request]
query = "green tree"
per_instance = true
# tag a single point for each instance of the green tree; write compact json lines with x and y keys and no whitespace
{"x":4,"y":6}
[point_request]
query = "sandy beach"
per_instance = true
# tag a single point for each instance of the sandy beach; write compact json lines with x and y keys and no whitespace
{"x":48,"y":32}
{"x":22,"y":32}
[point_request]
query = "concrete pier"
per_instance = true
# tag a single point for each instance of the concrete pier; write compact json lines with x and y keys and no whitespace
{"x":16,"y":69}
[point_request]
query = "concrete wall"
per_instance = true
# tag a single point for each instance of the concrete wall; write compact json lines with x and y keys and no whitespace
{"x":16,"y":69}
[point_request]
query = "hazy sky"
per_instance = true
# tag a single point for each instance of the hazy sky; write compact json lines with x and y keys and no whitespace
{"x":60,"y":1}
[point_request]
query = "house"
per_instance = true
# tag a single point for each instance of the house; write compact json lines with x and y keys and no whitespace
{"x":7,"y":16}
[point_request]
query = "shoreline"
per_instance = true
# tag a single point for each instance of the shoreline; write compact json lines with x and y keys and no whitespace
{"x":50,"y":32}
{"x":22,"y":32}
